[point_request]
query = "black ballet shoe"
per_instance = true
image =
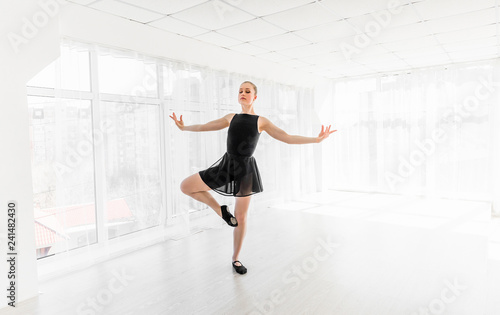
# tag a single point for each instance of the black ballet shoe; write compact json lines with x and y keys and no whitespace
{"x":239,"y":269}
{"x":228,"y":217}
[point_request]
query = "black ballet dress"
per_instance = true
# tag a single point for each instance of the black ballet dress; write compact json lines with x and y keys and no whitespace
{"x":236,"y":172}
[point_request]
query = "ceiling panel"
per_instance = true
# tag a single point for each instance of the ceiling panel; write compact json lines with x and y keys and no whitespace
{"x":126,"y":11}
{"x":213,"y":15}
{"x":378,"y":21}
{"x":377,"y":58}
{"x":442,"y":8}
{"x":393,"y":34}
{"x":252,"y":30}
{"x":337,"y":29}
{"x":280,"y":42}
{"x":475,"y":54}
{"x":302,"y":17}
{"x":267,"y":7}
{"x":417,"y":61}
{"x":471,"y":33}
{"x":414,"y":43}
{"x":178,"y":27}
{"x":471,"y":44}
{"x":249,"y":49}
{"x":273,"y":56}
{"x":165,"y":7}
{"x":293,"y":63}
{"x":462,"y":21}
{"x":420,"y":52}
{"x":82,"y":2}
{"x":218,"y":39}
{"x":350,"y":8}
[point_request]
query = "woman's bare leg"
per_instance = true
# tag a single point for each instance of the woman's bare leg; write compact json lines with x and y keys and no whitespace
{"x":194,"y":187}
{"x":240,"y":212}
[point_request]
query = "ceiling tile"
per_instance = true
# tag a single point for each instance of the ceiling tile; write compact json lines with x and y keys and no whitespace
{"x":252,"y":30}
{"x":414,"y":43}
{"x":471,"y":44}
{"x":293,"y":63}
{"x":249,"y":49}
{"x":394,"y":65}
{"x":471,"y":33}
{"x":267,"y":7}
{"x":437,"y":9}
{"x":280,"y":42}
{"x":377,"y":22}
{"x":377,"y":58}
{"x":272,"y":56}
{"x":456,"y":22}
{"x":338,"y":29}
{"x":178,"y":27}
{"x":311,"y":49}
{"x":218,"y":39}
{"x":426,"y":61}
{"x":82,"y":2}
{"x":126,"y":11}
{"x":325,"y":59}
{"x":213,"y":15}
{"x":420,"y":52}
{"x":165,"y":7}
{"x":350,"y":8}
{"x":475,"y":54}
{"x":302,"y":17}
{"x":404,"y":32}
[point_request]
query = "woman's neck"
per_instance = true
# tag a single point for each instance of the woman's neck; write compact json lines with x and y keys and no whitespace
{"x":248,"y":110}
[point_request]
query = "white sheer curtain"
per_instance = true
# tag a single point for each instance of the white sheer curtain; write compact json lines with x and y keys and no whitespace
{"x":431,"y":132}
{"x":286,"y":170}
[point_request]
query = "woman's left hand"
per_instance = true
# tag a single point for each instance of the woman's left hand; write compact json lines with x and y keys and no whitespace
{"x":324,"y":133}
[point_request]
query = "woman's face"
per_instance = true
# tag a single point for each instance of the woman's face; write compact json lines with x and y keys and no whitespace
{"x":246,"y":95}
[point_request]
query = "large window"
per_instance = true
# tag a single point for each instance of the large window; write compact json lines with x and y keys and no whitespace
{"x":96,"y":149}
{"x":63,"y":174}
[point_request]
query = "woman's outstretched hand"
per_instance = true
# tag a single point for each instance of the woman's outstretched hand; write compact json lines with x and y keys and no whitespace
{"x":324,"y":133}
{"x":179,"y":122}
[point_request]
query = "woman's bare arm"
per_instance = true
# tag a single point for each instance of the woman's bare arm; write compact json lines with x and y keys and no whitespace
{"x":281,"y":135}
{"x":217,"y":124}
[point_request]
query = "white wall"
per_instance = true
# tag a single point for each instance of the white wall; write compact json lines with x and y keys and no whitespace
{"x":18,"y":63}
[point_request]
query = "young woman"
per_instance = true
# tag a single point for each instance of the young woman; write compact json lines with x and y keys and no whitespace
{"x":236,"y":173}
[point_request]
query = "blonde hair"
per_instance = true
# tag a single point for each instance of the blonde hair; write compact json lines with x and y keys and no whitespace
{"x":254,"y":86}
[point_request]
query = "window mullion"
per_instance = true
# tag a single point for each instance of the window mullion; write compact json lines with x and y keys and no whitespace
{"x":99,"y":136}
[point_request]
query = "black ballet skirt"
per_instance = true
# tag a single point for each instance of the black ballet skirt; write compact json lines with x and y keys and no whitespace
{"x":236,"y":172}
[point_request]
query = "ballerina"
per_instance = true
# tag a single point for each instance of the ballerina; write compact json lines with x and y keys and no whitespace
{"x":236,"y":172}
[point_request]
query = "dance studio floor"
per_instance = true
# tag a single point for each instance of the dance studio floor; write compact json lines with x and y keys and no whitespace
{"x":331,"y":253}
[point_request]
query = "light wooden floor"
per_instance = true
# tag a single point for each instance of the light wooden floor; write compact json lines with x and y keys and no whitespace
{"x":331,"y":253}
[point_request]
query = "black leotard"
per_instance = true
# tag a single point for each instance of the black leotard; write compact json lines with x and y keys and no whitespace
{"x":236,"y":172}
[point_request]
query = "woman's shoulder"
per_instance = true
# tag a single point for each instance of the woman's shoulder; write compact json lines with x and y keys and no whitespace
{"x":229,"y":117}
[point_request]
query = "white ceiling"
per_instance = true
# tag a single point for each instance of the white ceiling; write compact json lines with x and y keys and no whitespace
{"x":330,"y":38}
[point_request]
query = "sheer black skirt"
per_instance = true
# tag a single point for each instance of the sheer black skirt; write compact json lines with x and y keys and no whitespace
{"x":233,"y":175}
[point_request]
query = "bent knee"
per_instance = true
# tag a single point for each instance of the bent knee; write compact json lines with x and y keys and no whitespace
{"x":185,"y":188}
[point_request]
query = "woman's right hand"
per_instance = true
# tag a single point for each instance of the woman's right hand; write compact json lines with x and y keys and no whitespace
{"x":179,"y":122}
